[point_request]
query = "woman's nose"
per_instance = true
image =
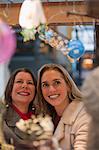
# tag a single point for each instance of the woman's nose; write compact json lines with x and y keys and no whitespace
{"x":52,"y":88}
{"x":24,"y":84}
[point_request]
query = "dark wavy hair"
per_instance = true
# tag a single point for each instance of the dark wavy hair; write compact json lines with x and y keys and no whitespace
{"x":9,"y":86}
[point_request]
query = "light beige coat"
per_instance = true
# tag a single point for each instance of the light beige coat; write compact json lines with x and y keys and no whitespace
{"x":72,"y":130}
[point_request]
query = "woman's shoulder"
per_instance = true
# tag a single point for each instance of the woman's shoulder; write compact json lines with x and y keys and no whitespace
{"x":76,"y":109}
{"x":79,"y":109}
{"x":2,"y":107}
{"x":80,"y":115}
{"x":11,"y":117}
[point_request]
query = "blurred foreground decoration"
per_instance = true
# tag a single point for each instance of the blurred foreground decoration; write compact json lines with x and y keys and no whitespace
{"x":93,"y":11}
{"x":33,"y":21}
{"x":7,"y":42}
{"x":93,"y":8}
{"x":3,"y":144}
{"x":38,"y":133}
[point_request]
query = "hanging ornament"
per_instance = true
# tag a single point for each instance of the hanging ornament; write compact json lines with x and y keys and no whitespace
{"x":30,"y":17}
{"x":76,"y":49}
{"x":51,"y":37}
{"x":31,"y":14}
{"x":28,"y":34}
{"x":7,"y":42}
{"x":32,"y":20}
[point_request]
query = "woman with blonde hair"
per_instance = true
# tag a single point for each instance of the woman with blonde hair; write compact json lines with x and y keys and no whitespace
{"x":62,"y":100}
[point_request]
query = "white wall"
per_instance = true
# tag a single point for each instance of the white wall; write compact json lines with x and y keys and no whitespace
{"x":4,"y":76}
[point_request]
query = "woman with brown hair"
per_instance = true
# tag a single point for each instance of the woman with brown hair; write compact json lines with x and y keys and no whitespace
{"x":20,"y":94}
{"x":60,"y":98}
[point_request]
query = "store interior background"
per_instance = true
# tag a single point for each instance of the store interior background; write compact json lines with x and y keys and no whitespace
{"x":34,"y":54}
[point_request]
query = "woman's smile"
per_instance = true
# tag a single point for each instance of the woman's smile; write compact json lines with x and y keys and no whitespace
{"x":54,"y":96}
{"x":23,"y":93}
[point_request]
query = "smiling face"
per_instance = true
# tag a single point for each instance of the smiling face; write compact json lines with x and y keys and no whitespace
{"x":54,"y":88}
{"x":23,"y":90}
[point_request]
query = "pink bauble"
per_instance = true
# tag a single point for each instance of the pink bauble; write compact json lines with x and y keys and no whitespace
{"x":7,"y":42}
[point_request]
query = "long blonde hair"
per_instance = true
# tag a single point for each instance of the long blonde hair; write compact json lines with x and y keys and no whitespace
{"x":74,"y":93}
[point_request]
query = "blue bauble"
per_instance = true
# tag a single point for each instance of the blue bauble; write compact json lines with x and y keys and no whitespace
{"x":76,"y":49}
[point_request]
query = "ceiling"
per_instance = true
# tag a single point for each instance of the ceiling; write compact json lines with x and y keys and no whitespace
{"x":20,"y":1}
{"x":56,"y":13}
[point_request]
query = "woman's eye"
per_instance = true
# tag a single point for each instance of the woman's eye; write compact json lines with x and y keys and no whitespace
{"x":57,"y":82}
{"x":30,"y":82}
{"x":45,"y":85}
{"x":18,"y":81}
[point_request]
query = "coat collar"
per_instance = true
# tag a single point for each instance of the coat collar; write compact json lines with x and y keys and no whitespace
{"x":11,"y":117}
{"x":68,"y":117}
{"x":71,"y":112}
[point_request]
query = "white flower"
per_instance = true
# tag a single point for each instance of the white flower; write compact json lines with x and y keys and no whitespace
{"x":21,"y":125}
{"x":47,"y":124}
{"x":39,"y":126}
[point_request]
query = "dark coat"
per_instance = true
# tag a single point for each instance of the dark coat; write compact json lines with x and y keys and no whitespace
{"x":12,"y":134}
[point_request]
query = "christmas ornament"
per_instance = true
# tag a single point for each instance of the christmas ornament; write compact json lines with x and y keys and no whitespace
{"x":76,"y":49}
{"x":31,"y":14}
{"x":7,"y":42}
